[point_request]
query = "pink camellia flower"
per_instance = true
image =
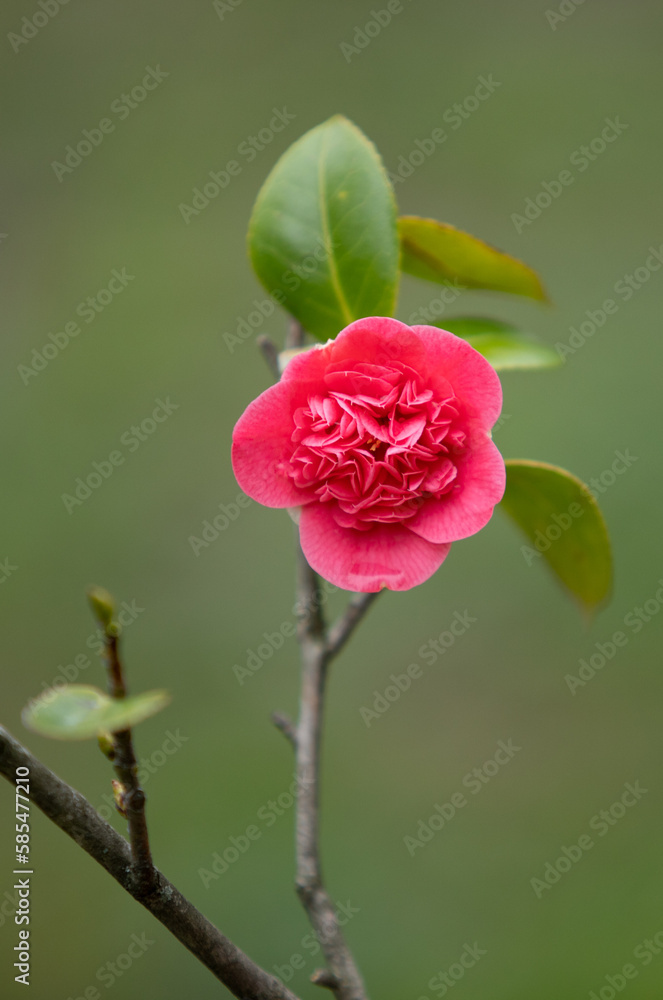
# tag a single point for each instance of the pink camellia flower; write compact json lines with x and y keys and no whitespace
{"x":382,"y":438}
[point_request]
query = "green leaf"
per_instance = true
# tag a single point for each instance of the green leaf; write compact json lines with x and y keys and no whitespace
{"x":439,"y":252}
{"x":563,"y":522}
{"x":501,"y":345}
{"x":323,"y":238}
{"x":123,"y":713}
{"x":79,"y":711}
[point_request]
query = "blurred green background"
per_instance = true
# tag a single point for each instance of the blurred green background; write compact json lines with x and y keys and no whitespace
{"x":162,"y":337}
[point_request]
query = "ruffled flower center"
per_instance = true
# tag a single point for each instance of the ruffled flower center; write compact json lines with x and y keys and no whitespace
{"x":377,"y":444}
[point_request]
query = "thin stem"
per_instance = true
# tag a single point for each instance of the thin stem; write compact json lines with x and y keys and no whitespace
{"x":342,"y":629}
{"x":325,"y":978}
{"x":69,"y":810}
{"x":296,"y":336}
{"x":310,"y":619}
{"x":318,"y":647}
{"x":126,"y":767}
{"x":133,"y":803}
{"x":117,"y":687}
{"x":270,"y":353}
{"x":283,"y":723}
{"x":316,"y":655}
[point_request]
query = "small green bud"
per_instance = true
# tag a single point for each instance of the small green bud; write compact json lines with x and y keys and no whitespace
{"x":106,"y":745}
{"x":102,"y":605}
{"x":119,"y":793}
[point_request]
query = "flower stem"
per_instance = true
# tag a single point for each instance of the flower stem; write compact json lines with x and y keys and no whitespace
{"x":318,"y":647}
{"x":126,"y":768}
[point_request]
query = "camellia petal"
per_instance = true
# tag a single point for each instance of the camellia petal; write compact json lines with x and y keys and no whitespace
{"x":384,"y":556}
{"x":475,"y":381}
{"x":482,"y":484}
{"x":261,"y":449}
{"x":379,"y":340}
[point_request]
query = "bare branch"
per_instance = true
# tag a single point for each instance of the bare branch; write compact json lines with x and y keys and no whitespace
{"x":311,"y":622}
{"x":126,"y":767}
{"x":318,"y":647}
{"x":270,"y":353}
{"x":296,"y":335}
{"x":310,"y":887}
{"x":342,"y":629}
{"x":286,"y":726}
{"x":325,"y":978}
{"x":69,"y":810}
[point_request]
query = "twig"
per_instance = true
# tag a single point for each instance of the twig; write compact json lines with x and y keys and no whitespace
{"x":69,"y":810}
{"x":126,"y":768}
{"x":283,"y":723}
{"x":343,"y":627}
{"x":296,"y":335}
{"x":325,"y":978}
{"x":270,"y":354}
{"x":308,"y":608}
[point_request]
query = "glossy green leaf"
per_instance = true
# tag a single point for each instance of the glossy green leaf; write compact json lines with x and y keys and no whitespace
{"x":323,"y":237}
{"x":439,"y":252}
{"x":564,"y":525}
{"x":79,"y":711}
{"x":503,"y":346}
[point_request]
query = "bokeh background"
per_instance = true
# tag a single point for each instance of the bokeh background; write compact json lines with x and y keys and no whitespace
{"x":201,"y":615}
